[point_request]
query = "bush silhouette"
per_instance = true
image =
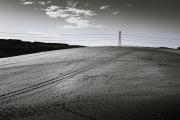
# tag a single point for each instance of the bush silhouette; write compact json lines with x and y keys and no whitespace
{"x":12,"y":47}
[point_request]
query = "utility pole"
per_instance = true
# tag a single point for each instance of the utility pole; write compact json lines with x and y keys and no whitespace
{"x":119,"y":42}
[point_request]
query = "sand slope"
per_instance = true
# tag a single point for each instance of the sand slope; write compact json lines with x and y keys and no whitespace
{"x":105,"y":83}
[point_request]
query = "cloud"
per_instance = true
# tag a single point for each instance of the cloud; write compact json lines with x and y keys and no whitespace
{"x":52,"y":8}
{"x":104,"y":7}
{"x":41,"y":3}
{"x":77,"y":18}
{"x":128,"y":5}
{"x":56,"y":11}
{"x":74,"y":17}
{"x":27,"y":2}
{"x":78,"y":12}
{"x":72,"y":4}
{"x":86,"y":4}
{"x":115,"y":12}
{"x":53,"y":12}
{"x":49,"y":2}
{"x":77,"y":22}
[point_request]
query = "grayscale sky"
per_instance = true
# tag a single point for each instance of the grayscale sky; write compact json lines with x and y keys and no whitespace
{"x":152,"y":18}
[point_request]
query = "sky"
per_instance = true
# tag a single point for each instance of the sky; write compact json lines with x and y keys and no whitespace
{"x":93,"y":22}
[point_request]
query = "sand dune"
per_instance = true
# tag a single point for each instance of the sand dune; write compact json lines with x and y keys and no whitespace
{"x":103,"y":83}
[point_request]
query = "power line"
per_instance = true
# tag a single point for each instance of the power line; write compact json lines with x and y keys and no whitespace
{"x":139,"y":38}
{"x":64,"y":37}
{"x":78,"y":35}
{"x":89,"y":34}
{"x":149,"y":42}
{"x":151,"y":37}
{"x":54,"y":34}
{"x":92,"y":37}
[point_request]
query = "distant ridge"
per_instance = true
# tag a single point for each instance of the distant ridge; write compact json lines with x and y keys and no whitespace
{"x":14,"y":47}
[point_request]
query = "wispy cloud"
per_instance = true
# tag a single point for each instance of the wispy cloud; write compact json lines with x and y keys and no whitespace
{"x":72,"y":4}
{"x":73,"y":16}
{"x":41,"y":2}
{"x":27,"y":2}
{"x":104,"y":7}
{"x":77,"y":18}
{"x":128,"y":5}
{"x":78,"y":22}
{"x":115,"y":12}
{"x":63,"y":12}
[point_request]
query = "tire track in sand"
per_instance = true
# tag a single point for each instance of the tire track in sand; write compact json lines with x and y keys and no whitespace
{"x":57,"y":79}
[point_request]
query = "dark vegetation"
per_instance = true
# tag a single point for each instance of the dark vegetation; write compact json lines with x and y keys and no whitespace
{"x":164,"y":48}
{"x":12,"y":47}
